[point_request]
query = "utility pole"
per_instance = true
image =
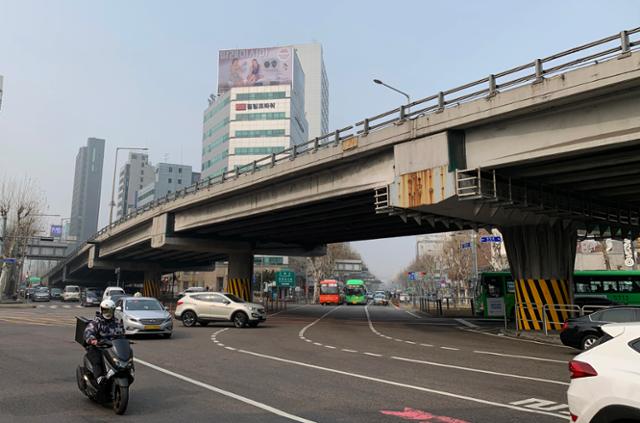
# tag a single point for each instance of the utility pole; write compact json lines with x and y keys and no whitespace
{"x":474,"y":258}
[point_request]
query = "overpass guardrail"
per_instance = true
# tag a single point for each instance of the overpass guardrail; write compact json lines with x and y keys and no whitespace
{"x":614,"y":46}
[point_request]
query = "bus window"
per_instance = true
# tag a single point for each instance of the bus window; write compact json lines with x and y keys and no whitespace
{"x":629,"y":286}
{"x":596,"y":287}
{"x":494,"y":287}
{"x":583,"y":287}
{"x":610,"y":286}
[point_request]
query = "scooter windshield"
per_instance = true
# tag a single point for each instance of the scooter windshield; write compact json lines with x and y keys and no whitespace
{"x":121,"y":348}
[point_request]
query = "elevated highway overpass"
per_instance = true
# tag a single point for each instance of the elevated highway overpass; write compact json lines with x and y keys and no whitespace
{"x":543,"y":151}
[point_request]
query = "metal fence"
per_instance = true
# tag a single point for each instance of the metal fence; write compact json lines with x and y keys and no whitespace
{"x":614,"y":46}
{"x":551,"y":313}
{"x":446,"y":306}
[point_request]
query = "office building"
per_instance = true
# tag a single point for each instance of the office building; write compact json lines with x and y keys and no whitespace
{"x":316,"y":88}
{"x":259,"y":109}
{"x":134,"y":175}
{"x":168,"y":178}
{"x":87,"y":183}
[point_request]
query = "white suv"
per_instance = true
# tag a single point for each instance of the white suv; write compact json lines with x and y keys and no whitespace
{"x":71,"y":293}
{"x":112,"y":290}
{"x":205,"y":307}
{"x":604,"y":379}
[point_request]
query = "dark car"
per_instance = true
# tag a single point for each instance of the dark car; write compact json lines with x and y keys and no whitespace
{"x":89,"y":298}
{"x":40,"y":293}
{"x":585,"y":331}
{"x":56,"y":293}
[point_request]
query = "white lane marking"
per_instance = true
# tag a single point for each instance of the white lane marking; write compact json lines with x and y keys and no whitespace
{"x":348,"y":350}
{"x":526,"y":357}
{"x":230,"y":348}
{"x":66,"y":306}
{"x":471,"y":369}
{"x":372,"y":354}
{"x":330,"y":346}
{"x":308,"y":340}
{"x":317,"y":343}
{"x":426,"y":345}
{"x":467,"y":324}
{"x":402,"y":385}
{"x":283,"y":311}
{"x":413,"y":314}
{"x":410,"y":342}
{"x":304,"y":329}
{"x":450,"y":348}
{"x":544,"y":405}
{"x":246,"y":400}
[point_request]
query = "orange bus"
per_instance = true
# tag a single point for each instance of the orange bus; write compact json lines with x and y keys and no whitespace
{"x":331,"y":292}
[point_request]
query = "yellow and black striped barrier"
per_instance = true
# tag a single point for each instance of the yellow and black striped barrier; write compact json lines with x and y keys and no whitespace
{"x":151,"y":289}
{"x":240,"y":287}
{"x":542,"y":300}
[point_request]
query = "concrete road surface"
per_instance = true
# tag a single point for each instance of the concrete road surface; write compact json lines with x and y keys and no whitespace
{"x":308,"y":364}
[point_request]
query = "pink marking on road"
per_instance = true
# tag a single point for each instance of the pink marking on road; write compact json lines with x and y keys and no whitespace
{"x":423,"y":416}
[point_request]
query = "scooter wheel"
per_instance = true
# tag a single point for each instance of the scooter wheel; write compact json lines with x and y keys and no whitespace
{"x":120,"y":398}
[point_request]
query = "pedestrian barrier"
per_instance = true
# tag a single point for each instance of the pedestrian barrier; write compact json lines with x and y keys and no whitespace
{"x":551,"y":316}
{"x":447,"y":306}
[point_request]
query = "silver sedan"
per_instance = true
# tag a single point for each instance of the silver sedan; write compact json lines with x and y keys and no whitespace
{"x":144,"y":315}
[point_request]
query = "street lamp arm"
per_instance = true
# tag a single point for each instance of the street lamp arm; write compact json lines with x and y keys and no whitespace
{"x":377,"y":81}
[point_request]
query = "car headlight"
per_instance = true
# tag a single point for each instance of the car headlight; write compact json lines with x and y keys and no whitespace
{"x":253,"y":308}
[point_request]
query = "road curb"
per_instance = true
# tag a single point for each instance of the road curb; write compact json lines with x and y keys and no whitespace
{"x":552,"y":339}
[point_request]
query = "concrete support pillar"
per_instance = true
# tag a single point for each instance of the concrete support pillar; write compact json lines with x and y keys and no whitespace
{"x":240,"y":275}
{"x":151,"y":284}
{"x":541,"y":258}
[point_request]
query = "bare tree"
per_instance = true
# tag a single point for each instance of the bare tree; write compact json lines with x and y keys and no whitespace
{"x":457,"y":263}
{"x":19,"y":209}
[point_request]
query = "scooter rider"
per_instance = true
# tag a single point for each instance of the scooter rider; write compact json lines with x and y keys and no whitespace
{"x":103,"y":327}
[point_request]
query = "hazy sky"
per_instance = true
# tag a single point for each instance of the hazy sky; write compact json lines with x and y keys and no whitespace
{"x":139,"y":72}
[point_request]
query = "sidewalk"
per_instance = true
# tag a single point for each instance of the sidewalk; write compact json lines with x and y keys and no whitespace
{"x":553,"y":337}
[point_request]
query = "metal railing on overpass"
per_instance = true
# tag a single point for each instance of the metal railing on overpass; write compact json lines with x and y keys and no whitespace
{"x":604,"y":49}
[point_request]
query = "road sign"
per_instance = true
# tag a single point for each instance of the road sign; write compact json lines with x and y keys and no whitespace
{"x":9,"y":260}
{"x":411,"y":276}
{"x":285,"y":278}
{"x":56,"y":231}
{"x":485,"y":239}
{"x":465,"y":245}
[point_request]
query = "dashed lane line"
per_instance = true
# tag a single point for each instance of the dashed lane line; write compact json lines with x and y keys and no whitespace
{"x":402,"y":385}
{"x":527,"y":357}
{"x":226,"y":393}
{"x":488,"y":372}
{"x":450,"y":348}
{"x":372,"y":354}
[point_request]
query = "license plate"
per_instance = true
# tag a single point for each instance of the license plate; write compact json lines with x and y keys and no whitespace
{"x":151,"y":327}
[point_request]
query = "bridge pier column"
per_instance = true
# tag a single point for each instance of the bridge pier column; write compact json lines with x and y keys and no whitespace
{"x":240,"y":275}
{"x":542,"y":259}
{"x":151,"y":284}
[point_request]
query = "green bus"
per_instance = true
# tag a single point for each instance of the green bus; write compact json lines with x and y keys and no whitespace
{"x":591,"y":287}
{"x":356,"y":292}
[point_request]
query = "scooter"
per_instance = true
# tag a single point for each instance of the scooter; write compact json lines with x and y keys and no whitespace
{"x":117,"y":359}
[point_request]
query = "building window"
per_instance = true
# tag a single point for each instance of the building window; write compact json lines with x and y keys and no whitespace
{"x":261,"y":133}
{"x":169,"y":180}
{"x":179,"y":181}
{"x":261,"y":116}
{"x":170,"y":169}
{"x":244,"y":151}
{"x":142,"y":172}
{"x":140,"y":187}
{"x":141,"y":179}
{"x":179,"y":170}
{"x":261,"y":96}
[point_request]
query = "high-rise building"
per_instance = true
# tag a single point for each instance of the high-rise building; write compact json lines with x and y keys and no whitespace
{"x":169,"y":178}
{"x":1,"y":80}
{"x":259,"y":109}
{"x":135,"y":174}
{"x":85,"y":204}
{"x":316,"y":88}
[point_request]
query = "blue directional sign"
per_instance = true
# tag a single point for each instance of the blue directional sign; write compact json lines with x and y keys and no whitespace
{"x":494,"y":238}
{"x":465,"y":245}
{"x":9,"y":260}
{"x":412,"y":276}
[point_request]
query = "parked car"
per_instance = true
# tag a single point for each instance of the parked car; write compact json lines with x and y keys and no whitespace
{"x":143,"y":315}
{"x":380,"y":299}
{"x":583,"y":332}
{"x":89,"y":298}
{"x":604,"y":380}
{"x":110,"y":291}
{"x":40,"y":293}
{"x":56,"y":293}
{"x":205,"y":307}
{"x":71,"y":293}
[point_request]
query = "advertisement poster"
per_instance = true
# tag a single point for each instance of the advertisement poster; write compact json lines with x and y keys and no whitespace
{"x":254,"y":67}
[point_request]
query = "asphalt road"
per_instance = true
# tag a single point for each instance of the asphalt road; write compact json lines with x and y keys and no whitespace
{"x":308,"y":364}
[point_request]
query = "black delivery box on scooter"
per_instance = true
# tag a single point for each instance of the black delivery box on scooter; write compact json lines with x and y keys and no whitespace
{"x":81,"y":324}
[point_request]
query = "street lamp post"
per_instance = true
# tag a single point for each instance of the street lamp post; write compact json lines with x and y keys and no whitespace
{"x":113,"y":184}
{"x":379,"y":82}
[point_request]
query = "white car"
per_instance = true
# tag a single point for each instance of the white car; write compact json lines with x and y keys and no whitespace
{"x":71,"y":293}
{"x":111,"y":291}
{"x":605,"y":380}
{"x":205,"y":307}
{"x":143,"y":315}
